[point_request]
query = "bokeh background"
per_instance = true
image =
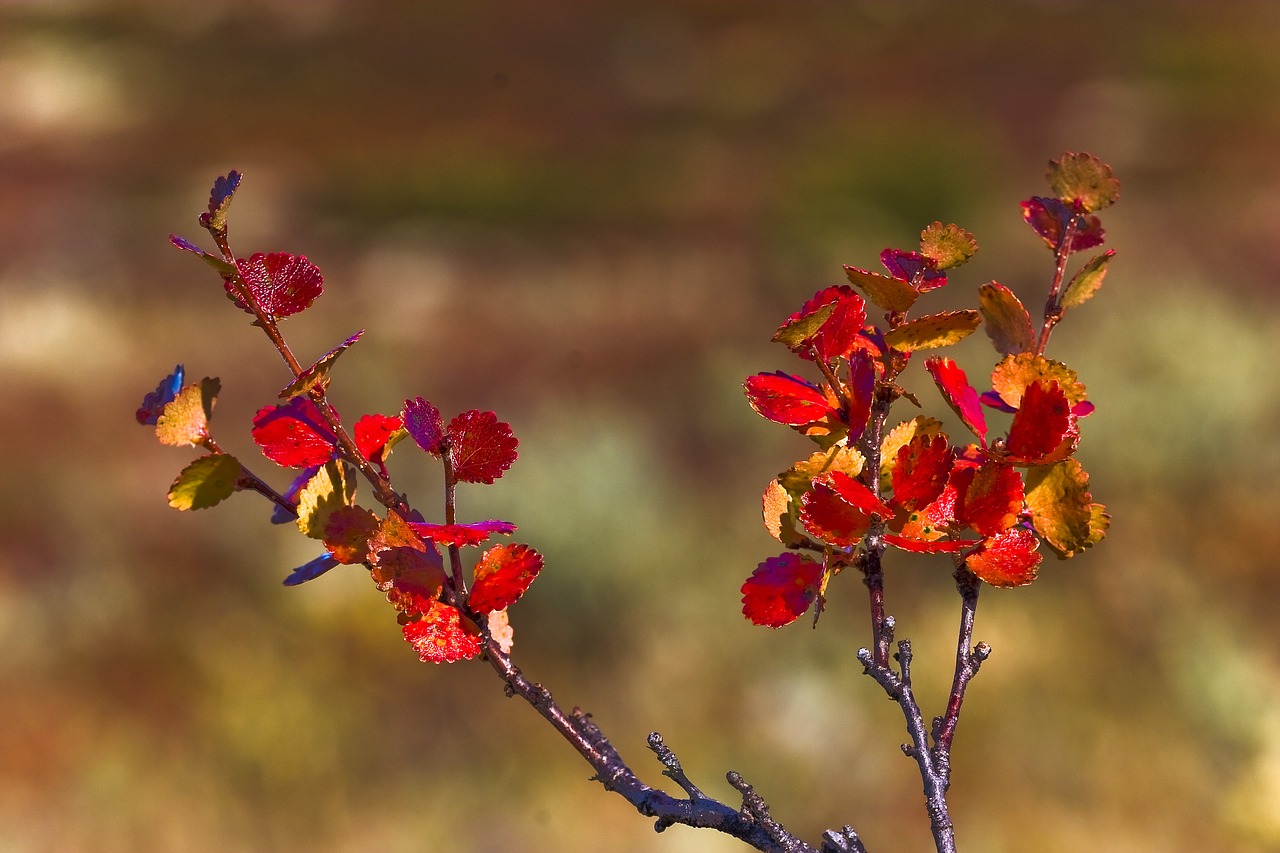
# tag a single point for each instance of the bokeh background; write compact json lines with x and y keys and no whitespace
{"x":590,"y":217}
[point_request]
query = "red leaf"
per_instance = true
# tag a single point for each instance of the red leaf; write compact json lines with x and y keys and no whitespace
{"x":502,"y":576}
{"x":1049,"y":218}
{"x":786,"y":399}
{"x":906,"y":266}
{"x":281,"y":284}
{"x":989,"y":498}
{"x":780,"y":589}
{"x":406,"y":570}
{"x":859,"y":495}
{"x":294,"y":435}
{"x":372,"y":433}
{"x":1043,"y":421}
{"x":461,"y":534}
{"x":347,"y":533}
{"x":862,"y":386}
{"x":838,"y":509}
{"x":443,"y":635}
{"x":480,"y":446}
{"x":921,"y":472}
{"x":923,"y":546}
{"x":1007,"y":559}
{"x":422,"y":421}
{"x":959,"y":394}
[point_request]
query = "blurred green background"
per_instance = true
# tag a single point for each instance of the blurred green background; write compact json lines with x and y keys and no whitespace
{"x":590,"y":217}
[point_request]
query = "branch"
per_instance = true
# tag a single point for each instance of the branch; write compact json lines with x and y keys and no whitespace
{"x":751,"y":823}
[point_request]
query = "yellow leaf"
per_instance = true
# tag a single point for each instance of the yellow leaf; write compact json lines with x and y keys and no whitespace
{"x":889,"y":293}
{"x":1062,"y":510}
{"x":798,"y":479}
{"x":206,"y":481}
{"x":1008,"y":323}
{"x":329,"y":489}
{"x":947,"y":245}
{"x":1012,"y":376}
{"x":934,"y":330}
{"x":185,"y":419}
{"x":1086,"y":282}
{"x":900,"y":436}
{"x":1085,"y":178}
{"x":778,"y":518}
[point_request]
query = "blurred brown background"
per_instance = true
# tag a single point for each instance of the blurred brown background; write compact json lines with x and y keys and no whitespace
{"x":590,"y":217}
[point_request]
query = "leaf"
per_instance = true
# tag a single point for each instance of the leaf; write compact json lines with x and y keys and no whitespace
{"x":947,"y":245}
{"x":1085,"y":179}
{"x":443,"y":635}
{"x":862,"y":388}
{"x":900,"y":435}
{"x":780,"y":590}
{"x":481,"y":447}
{"x":988,"y":498}
{"x":1086,"y":282}
{"x":779,"y":514}
{"x":933,"y":331}
{"x":828,"y":323}
{"x":786,"y":399}
{"x":375,"y":436}
{"x":185,"y":419}
{"x":838,"y":509}
{"x":347,"y":534}
{"x":922,"y":470}
{"x":219,"y":200}
{"x":502,"y":576}
{"x":1008,"y":323}
{"x":223,"y":268}
{"x":294,"y":435}
{"x":330,"y":489}
{"x":207,"y":481}
{"x":394,"y":532}
{"x":915,"y":269}
{"x":423,"y":422}
{"x":1014,"y":373}
{"x":1007,"y":559}
{"x":318,"y":373}
{"x":926,"y":546}
{"x":1041,"y":425}
{"x":1050,"y":218}
{"x":1061,"y":507}
{"x":154,"y":402}
{"x":799,"y":477}
{"x":959,"y":394}
{"x":411,"y":579}
{"x":311,"y":570}
{"x":281,"y":284}
{"x":890,"y":294}
{"x":461,"y":534}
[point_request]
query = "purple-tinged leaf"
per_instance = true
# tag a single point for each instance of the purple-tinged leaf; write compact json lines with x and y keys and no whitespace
{"x":423,"y":422}
{"x":219,"y":200}
{"x":914,"y":268}
{"x":318,"y":373}
{"x":311,"y":570}
{"x":153,"y":404}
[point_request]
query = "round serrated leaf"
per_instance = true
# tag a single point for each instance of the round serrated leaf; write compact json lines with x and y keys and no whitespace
{"x":891,"y":294}
{"x":947,"y":245}
{"x":1083,"y":178}
{"x":206,"y":481}
{"x":1086,"y":282}
{"x":934,"y":330}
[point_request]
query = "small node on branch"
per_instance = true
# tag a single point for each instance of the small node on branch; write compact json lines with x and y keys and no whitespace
{"x":981,"y":652}
{"x":843,"y":841}
{"x":674,"y":771}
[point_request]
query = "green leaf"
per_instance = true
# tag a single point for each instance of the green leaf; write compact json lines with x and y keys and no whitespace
{"x":206,"y":481}
{"x":1008,"y":323}
{"x":890,"y":294}
{"x":328,"y":490}
{"x":793,"y":333}
{"x":947,"y":245}
{"x":1086,"y":282}
{"x":1083,"y":178}
{"x":185,"y":419}
{"x":934,"y":330}
{"x":1057,"y":496}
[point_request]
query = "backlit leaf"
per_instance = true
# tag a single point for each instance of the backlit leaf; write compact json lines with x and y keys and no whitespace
{"x":933,"y":331}
{"x":1007,"y":559}
{"x":922,"y":546}
{"x":829,"y":322}
{"x":185,"y":419}
{"x":959,"y":394}
{"x":394,"y":531}
{"x":423,"y":422}
{"x":481,"y":447}
{"x":1086,"y":282}
{"x":281,"y":284}
{"x":890,"y":294}
{"x":1083,"y":178}
{"x":206,"y":481}
{"x":443,"y":635}
{"x":347,"y":534}
{"x":1014,"y":373}
{"x":861,"y":389}
{"x":410,"y":577}
{"x":921,"y":473}
{"x":900,"y":435}
{"x":330,"y":489}
{"x":799,"y":477}
{"x":988,"y":498}
{"x":780,"y":514}
{"x":155,"y":401}
{"x":318,"y":373}
{"x":375,"y":435}
{"x":502,"y":576}
{"x":223,"y":268}
{"x":310,"y":570}
{"x":919,"y":271}
{"x":294,"y":435}
{"x":1043,"y":421}
{"x":219,"y":200}
{"x":786,"y":399}
{"x":1050,"y":218}
{"x":1008,"y":323}
{"x":1061,"y":507}
{"x":780,"y":590}
{"x":947,"y":245}
{"x":461,"y":534}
